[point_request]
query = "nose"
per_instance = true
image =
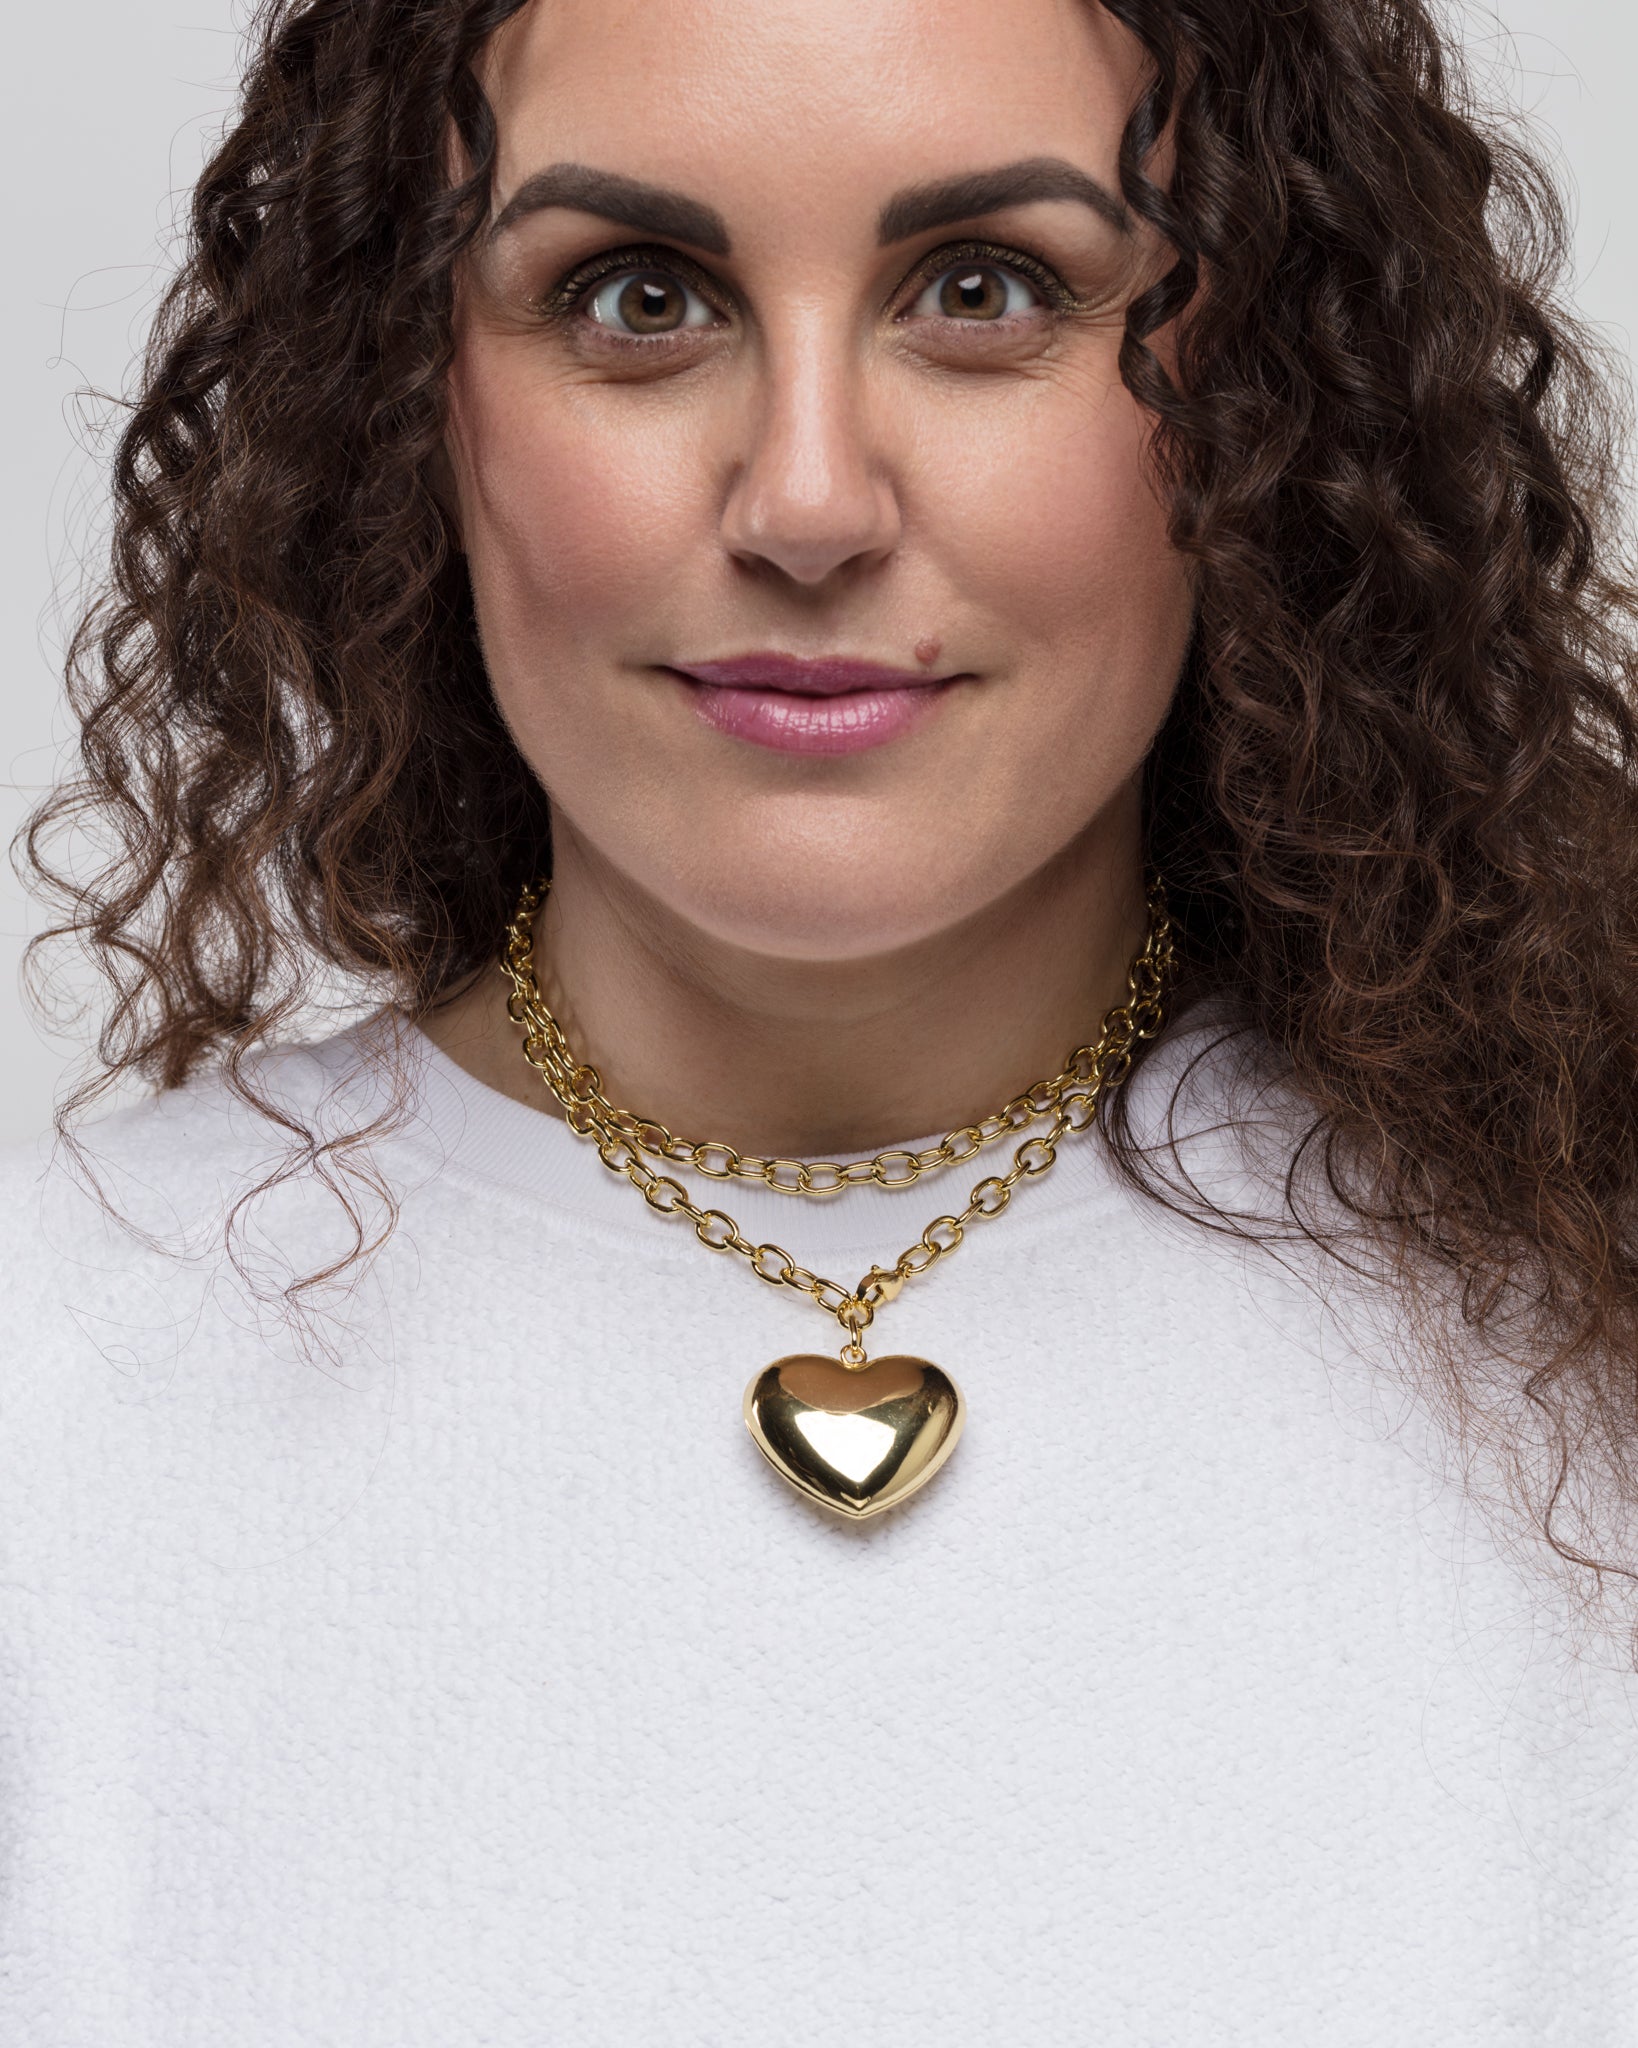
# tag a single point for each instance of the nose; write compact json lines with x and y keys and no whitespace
{"x":813,"y":493}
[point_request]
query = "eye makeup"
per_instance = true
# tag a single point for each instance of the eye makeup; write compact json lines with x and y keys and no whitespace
{"x":566,"y":303}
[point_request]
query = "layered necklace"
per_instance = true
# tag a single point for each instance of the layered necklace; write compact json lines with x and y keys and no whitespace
{"x":855,"y":1434}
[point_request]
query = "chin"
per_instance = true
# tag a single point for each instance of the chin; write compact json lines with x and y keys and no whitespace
{"x":809,"y":914}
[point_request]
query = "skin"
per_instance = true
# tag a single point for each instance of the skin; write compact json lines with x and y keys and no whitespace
{"x":812,"y":955}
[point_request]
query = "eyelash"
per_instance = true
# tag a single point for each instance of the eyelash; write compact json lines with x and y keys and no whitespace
{"x":566,"y":299}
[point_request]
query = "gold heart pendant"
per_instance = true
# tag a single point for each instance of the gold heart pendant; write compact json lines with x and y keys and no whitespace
{"x":856,"y":1439}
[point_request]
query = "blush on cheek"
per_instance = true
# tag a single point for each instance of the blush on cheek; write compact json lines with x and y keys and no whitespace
{"x":564,"y":524}
{"x":1063,"y":534}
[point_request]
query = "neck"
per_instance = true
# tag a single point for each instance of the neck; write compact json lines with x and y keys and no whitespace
{"x":798,"y":1058}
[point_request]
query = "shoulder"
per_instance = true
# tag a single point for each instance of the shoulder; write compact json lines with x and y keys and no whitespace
{"x":125,"y":1226}
{"x":153,"y":1375}
{"x":160,"y":1159}
{"x":1213,"y":1118}
{"x":252,"y":1107}
{"x":1232,"y":1159}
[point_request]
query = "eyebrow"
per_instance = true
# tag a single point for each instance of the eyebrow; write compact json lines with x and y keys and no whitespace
{"x":923,"y":207}
{"x":656,"y":210}
{"x":650,"y":209}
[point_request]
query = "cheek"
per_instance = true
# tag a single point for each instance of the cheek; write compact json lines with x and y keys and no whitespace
{"x":1056,"y":523}
{"x":564,"y":522}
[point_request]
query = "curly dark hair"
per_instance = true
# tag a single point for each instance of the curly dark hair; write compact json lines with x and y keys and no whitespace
{"x":1395,"y":800}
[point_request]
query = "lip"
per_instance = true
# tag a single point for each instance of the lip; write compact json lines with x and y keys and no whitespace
{"x":829,"y":676}
{"x":829,"y":706}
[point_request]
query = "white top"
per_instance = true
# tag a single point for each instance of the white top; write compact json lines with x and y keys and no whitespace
{"x":478,"y":1682}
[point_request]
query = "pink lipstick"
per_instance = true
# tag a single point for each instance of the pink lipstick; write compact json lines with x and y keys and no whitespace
{"x":829,"y":706}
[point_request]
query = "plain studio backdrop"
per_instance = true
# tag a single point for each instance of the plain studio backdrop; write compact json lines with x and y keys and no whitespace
{"x":113,"y":104}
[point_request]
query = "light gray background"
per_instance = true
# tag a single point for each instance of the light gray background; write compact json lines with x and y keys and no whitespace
{"x":111,"y":105}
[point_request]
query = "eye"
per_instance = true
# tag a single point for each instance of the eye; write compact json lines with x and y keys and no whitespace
{"x":977,"y":292}
{"x":643,"y":302}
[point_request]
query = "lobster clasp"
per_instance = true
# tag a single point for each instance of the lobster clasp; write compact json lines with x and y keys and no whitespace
{"x":885,"y":1285}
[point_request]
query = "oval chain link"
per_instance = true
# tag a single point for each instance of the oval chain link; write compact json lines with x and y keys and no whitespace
{"x":1071,"y":1098}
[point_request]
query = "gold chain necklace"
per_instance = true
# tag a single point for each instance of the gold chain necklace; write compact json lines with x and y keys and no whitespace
{"x":854,"y":1435}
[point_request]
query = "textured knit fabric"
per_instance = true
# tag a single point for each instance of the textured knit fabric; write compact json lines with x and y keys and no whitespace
{"x":458,"y":1675}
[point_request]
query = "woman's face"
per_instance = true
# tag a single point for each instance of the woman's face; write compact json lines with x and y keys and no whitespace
{"x":796,"y":334}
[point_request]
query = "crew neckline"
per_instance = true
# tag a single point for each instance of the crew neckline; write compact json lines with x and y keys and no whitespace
{"x":476,"y":1132}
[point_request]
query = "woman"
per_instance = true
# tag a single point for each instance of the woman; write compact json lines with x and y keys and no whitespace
{"x":930,"y":526}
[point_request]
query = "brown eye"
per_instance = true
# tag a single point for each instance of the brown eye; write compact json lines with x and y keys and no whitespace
{"x":977,"y":292}
{"x":980,"y":293}
{"x":646,"y":302}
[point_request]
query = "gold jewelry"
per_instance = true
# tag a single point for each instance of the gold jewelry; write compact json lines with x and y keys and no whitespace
{"x":855,"y":1436}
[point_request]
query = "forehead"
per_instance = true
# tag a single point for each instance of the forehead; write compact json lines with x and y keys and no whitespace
{"x":808,"y":96}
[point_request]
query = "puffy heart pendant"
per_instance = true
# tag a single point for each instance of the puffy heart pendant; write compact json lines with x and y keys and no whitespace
{"x":854,"y":1438}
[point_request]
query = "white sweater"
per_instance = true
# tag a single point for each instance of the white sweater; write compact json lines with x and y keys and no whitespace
{"x":479,"y":1686}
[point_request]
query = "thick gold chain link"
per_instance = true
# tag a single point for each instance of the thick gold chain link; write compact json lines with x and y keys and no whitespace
{"x":1071,"y":1097}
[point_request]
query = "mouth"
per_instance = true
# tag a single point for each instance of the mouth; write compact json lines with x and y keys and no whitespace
{"x":827,"y":676}
{"x":832,"y":705}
